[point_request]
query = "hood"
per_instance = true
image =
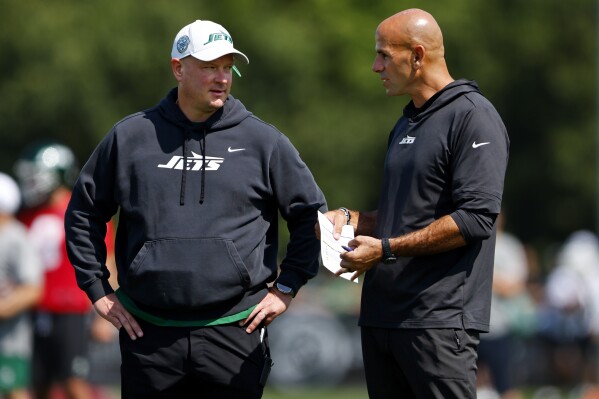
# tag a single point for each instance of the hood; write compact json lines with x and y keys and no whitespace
{"x":443,"y":97}
{"x":230,"y":115}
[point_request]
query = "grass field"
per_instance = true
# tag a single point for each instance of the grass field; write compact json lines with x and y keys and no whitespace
{"x":358,"y":392}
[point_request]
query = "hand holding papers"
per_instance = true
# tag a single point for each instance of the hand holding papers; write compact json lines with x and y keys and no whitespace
{"x":330,"y":248}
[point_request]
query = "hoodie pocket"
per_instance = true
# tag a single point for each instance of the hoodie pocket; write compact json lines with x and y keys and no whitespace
{"x":187,"y":273}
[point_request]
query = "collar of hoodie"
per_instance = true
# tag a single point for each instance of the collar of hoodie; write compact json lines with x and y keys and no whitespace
{"x":230,"y":115}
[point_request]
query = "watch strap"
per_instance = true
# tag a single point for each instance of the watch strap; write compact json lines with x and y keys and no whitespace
{"x":388,"y":255}
{"x":347,"y":214}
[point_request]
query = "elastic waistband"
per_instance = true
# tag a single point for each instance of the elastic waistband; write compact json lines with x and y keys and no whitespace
{"x":160,"y":320}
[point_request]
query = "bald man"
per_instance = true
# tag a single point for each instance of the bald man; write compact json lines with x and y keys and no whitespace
{"x":427,"y":251}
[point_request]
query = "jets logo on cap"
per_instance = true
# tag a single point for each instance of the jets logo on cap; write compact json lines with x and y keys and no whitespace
{"x":219,"y":36}
{"x":182,"y":43}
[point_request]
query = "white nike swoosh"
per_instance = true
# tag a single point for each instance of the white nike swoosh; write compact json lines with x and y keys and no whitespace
{"x":476,"y":145}
{"x":235,"y":149}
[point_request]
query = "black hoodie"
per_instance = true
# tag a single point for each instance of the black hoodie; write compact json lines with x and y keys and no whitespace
{"x":196,"y":242}
{"x":448,"y":157}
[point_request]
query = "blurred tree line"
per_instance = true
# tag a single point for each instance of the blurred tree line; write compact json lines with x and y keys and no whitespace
{"x":70,"y":69}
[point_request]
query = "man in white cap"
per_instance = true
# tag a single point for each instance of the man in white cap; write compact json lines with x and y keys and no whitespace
{"x":199,"y":182}
{"x":20,"y":289}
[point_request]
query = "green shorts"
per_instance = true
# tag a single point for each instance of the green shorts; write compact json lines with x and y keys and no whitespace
{"x":14,"y":373}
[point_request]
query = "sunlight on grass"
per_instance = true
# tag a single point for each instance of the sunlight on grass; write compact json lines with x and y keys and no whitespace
{"x":322,"y":393}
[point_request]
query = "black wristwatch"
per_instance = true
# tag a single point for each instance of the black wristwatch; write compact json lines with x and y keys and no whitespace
{"x":388,"y":256}
{"x":284,"y":289}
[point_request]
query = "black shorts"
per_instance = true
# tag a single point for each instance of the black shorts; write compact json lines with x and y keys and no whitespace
{"x":420,"y":363}
{"x":199,"y":362}
{"x":60,"y":347}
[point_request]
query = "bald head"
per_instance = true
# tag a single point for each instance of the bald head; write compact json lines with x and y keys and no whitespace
{"x":414,"y":27}
{"x":410,"y":55}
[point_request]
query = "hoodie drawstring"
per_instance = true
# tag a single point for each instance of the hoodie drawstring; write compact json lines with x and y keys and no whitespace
{"x":203,"y":150}
{"x":184,"y":170}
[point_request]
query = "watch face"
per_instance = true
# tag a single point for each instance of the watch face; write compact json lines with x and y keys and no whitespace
{"x":284,"y":289}
{"x":390,"y":260}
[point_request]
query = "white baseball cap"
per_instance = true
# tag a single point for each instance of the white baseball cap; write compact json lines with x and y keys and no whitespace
{"x":206,"y":41}
{"x":10,"y":196}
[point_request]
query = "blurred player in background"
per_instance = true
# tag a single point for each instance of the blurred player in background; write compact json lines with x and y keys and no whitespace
{"x":20,"y":290}
{"x":511,"y":307}
{"x":46,"y":172}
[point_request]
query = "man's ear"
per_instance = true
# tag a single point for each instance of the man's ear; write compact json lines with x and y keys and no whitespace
{"x":418,"y":53}
{"x":177,"y":68}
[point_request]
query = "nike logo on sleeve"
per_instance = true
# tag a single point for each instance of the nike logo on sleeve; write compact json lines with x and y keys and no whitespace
{"x":476,"y":145}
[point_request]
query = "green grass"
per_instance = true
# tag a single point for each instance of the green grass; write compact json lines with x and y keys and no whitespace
{"x":358,"y":392}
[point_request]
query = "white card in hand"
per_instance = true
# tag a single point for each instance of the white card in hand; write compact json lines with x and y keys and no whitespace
{"x":330,"y":248}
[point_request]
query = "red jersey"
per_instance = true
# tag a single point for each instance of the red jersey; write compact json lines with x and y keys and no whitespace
{"x":46,"y":233}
